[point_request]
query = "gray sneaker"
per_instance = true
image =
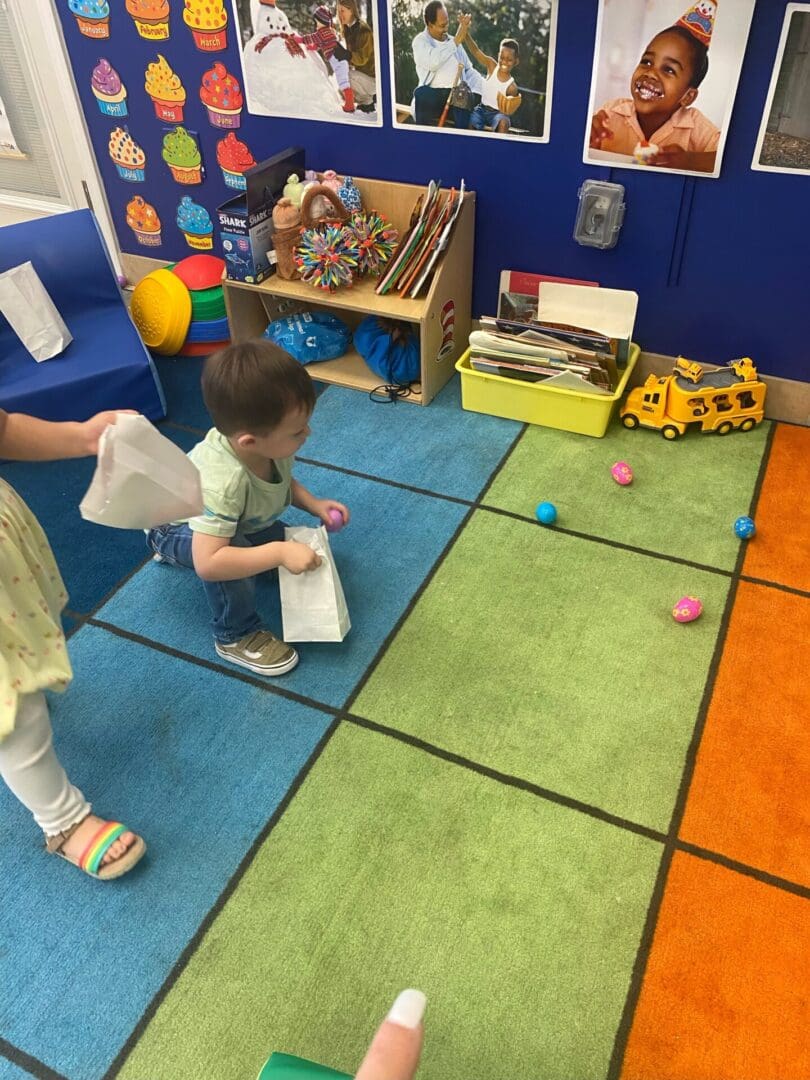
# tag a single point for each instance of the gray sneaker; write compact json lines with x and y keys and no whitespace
{"x":261,"y":652}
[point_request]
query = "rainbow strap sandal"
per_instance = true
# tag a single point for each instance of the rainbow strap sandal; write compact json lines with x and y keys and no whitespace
{"x":91,"y":858}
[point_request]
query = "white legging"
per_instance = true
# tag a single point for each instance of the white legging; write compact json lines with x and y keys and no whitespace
{"x":30,"y":767}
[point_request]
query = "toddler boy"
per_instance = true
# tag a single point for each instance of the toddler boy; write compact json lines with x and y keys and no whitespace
{"x":261,"y":401}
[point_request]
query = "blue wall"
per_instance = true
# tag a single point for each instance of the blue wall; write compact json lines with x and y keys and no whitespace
{"x":722,"y":267}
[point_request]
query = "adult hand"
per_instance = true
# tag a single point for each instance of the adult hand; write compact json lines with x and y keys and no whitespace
{"x":599,"y":130}
{"x":463,"y":28}
{"x":394,"y":1054}
{"x":92,"y":429}
{"x":298,"y":558}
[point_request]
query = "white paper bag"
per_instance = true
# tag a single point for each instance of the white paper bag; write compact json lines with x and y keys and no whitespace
{"x":313,"y":607}
{"x":142,"y":480}
{"x":32,"y":314}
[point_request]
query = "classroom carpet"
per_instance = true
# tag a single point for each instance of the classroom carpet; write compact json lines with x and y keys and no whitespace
{"x":579,"y":826}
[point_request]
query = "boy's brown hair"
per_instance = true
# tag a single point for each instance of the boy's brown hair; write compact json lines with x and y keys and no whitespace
{"x":251,"y":387}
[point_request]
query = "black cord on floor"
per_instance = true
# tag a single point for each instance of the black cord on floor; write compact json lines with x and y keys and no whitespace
{"x":385,"y":394}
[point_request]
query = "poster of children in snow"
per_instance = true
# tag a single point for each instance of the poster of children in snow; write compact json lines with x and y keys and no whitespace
{"x":311,"y":60}
{"x":665,"y":74}
{"x":484,"y":69}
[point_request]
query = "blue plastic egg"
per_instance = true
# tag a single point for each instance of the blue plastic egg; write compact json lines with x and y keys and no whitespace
{"x":546,"y":513}
{"x":744,"y":528}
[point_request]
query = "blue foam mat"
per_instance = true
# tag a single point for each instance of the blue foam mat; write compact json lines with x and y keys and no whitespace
{"x":440,"y":448}
{"x":198,"y":767}
{"x":106,"y":366}
{"x":379,"y":572}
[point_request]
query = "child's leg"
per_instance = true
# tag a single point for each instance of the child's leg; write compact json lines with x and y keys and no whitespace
{"x":32,"y":771}
{"x":341,"y":70}
{"x":34,"y":774}
{"x":232,"y":603}
{"x":172,"y":543}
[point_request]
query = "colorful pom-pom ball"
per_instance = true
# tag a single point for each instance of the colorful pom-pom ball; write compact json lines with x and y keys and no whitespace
{"x":687,"y":609}
{"x":744,"y":528}
{"x":335,"y":521}
{"x":622,"y":473}
{"x":546,"y":513}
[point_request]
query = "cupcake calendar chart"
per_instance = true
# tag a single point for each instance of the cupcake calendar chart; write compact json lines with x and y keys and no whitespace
{"x":129,"y":159}
{"x":195,"y":223}
{"x":208,"y":22}
{"x":151,"y":18}
{"x":92,"y":17}
{"x":108,"y":90}
{"x":166,"y":91}
{"x":181,"y":152}
{"x":234,"y":159}
{"x":221,"y":95}
{"x":142,"y":218}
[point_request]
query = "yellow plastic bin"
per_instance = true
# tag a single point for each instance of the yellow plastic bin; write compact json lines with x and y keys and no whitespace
{"x":537,"y":403}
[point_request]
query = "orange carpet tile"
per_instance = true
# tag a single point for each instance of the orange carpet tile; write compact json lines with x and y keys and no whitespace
{"x":781,"y":549}
{"x":726,"y":994}
{"x":750,"y":795}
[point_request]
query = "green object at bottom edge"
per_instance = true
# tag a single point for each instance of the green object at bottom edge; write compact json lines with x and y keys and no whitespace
{"x":287,"y":1067}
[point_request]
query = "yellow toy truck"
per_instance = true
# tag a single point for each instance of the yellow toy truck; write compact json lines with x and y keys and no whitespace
{"x":722,"y":400}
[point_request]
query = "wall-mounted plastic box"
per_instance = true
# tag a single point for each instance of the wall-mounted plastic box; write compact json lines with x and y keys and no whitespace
{"x":600,"y":214}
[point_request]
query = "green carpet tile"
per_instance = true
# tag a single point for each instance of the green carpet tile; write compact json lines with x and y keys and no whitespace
{"x":683,"y":501}
{"x":520,"y":920}
{"x":502,"y":662}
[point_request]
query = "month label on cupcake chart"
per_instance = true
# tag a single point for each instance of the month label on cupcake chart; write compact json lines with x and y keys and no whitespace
{"x":128,"y":157}
{"x":207,"y":20}
{"x":166,"y":91}
{"x":151,"y":18}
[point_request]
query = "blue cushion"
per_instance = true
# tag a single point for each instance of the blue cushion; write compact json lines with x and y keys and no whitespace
{"x":106,"y":366}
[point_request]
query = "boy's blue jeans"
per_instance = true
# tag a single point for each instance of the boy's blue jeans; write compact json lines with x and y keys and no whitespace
{"x":232,"y":603}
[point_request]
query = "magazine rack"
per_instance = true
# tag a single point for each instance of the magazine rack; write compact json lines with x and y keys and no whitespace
{"x":442,"y":311}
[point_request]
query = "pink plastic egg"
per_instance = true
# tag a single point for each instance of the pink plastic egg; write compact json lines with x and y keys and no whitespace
{"x":687,"y":609}
{"x":622,"y":473}
{"x":335,"y":521}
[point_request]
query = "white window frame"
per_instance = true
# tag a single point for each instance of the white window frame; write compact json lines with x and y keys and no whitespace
{"x":72,"y":159}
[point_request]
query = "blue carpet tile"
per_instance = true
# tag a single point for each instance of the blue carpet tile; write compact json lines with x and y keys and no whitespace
{"x":379,"y":571}
{"x":92,"y":558}
{"x":197,"y":766}
{"x":10,"y":1071}
{"x":441,"y":448}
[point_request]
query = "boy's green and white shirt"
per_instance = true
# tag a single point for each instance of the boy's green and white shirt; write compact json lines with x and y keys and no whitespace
{"x":235,"y":499}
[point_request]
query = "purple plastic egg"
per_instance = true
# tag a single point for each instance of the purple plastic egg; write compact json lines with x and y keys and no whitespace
{"x":622,"y":473}
{"x":335,"y":521}
{"x":687,"y":609}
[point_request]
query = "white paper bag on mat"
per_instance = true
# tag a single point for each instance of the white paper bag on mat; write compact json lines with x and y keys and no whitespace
{"x":313,"y":607}
{"x":31,"y":313}
{"x":142,"y":480}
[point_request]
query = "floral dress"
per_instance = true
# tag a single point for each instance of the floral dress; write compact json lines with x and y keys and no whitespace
{"x":32,"y":595}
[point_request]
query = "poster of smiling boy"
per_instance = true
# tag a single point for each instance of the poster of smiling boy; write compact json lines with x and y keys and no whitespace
{"x":663,"y":84}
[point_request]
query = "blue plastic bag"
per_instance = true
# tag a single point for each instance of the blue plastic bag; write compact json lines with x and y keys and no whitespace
{"x":310,"y":336}
{"x":391,"y":349}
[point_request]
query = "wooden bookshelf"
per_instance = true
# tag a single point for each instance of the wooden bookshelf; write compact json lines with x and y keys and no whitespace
{"x":251,"y":307}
